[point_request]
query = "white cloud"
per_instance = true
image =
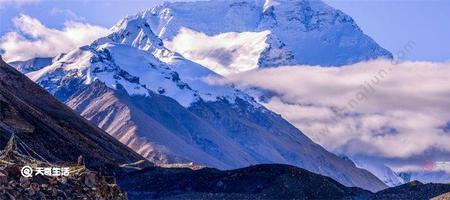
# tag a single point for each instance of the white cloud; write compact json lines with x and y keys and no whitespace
{"x":224,"y":53}
{"x":375,"y":109}
{"x":33,"y":39}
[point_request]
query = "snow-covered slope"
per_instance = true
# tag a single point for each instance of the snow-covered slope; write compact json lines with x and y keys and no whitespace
{"x":119,"y":65}
{"x":159,"y":104}
{"x":31,"y":64}
{"x":383,"y":172}
{"x":261,"y":34}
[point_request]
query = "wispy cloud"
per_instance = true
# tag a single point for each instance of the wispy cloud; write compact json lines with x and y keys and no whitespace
{"x":365,"y":109}
{"x":32,"y":38}
{"x":67,"y":14}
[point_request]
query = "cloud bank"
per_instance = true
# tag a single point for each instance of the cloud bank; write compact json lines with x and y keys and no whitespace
{"x":374,"y":109}
{"x":33,"y":39}
{"x":224,"y":53}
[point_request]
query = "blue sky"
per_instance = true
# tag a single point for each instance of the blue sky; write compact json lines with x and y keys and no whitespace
{"x":391,"y":23}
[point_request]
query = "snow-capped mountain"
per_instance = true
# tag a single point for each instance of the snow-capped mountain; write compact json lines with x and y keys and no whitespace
{"x":160,"y":104}
{"x":392,"y":178}
{"x":246,"y":34}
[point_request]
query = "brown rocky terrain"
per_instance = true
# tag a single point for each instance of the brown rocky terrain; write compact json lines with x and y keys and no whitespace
{"x":445,"y":196}
{"x":78,"y":183}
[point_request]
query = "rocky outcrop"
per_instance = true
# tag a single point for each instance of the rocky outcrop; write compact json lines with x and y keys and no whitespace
{"x":445,"y":196}
{"x":77,"y":182}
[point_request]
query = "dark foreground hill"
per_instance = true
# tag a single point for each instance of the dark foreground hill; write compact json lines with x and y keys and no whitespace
{"x":267,"y":181}
{"x":51,"y":129}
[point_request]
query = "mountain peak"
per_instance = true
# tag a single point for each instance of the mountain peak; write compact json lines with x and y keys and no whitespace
{"x":134,"y":31}
{"x":311,"y":33}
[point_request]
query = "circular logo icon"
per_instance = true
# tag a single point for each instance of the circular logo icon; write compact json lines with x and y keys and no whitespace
{"x":27,"y":171}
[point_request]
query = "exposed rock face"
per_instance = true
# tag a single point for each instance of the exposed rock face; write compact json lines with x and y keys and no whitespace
{"x":276,"y":54}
